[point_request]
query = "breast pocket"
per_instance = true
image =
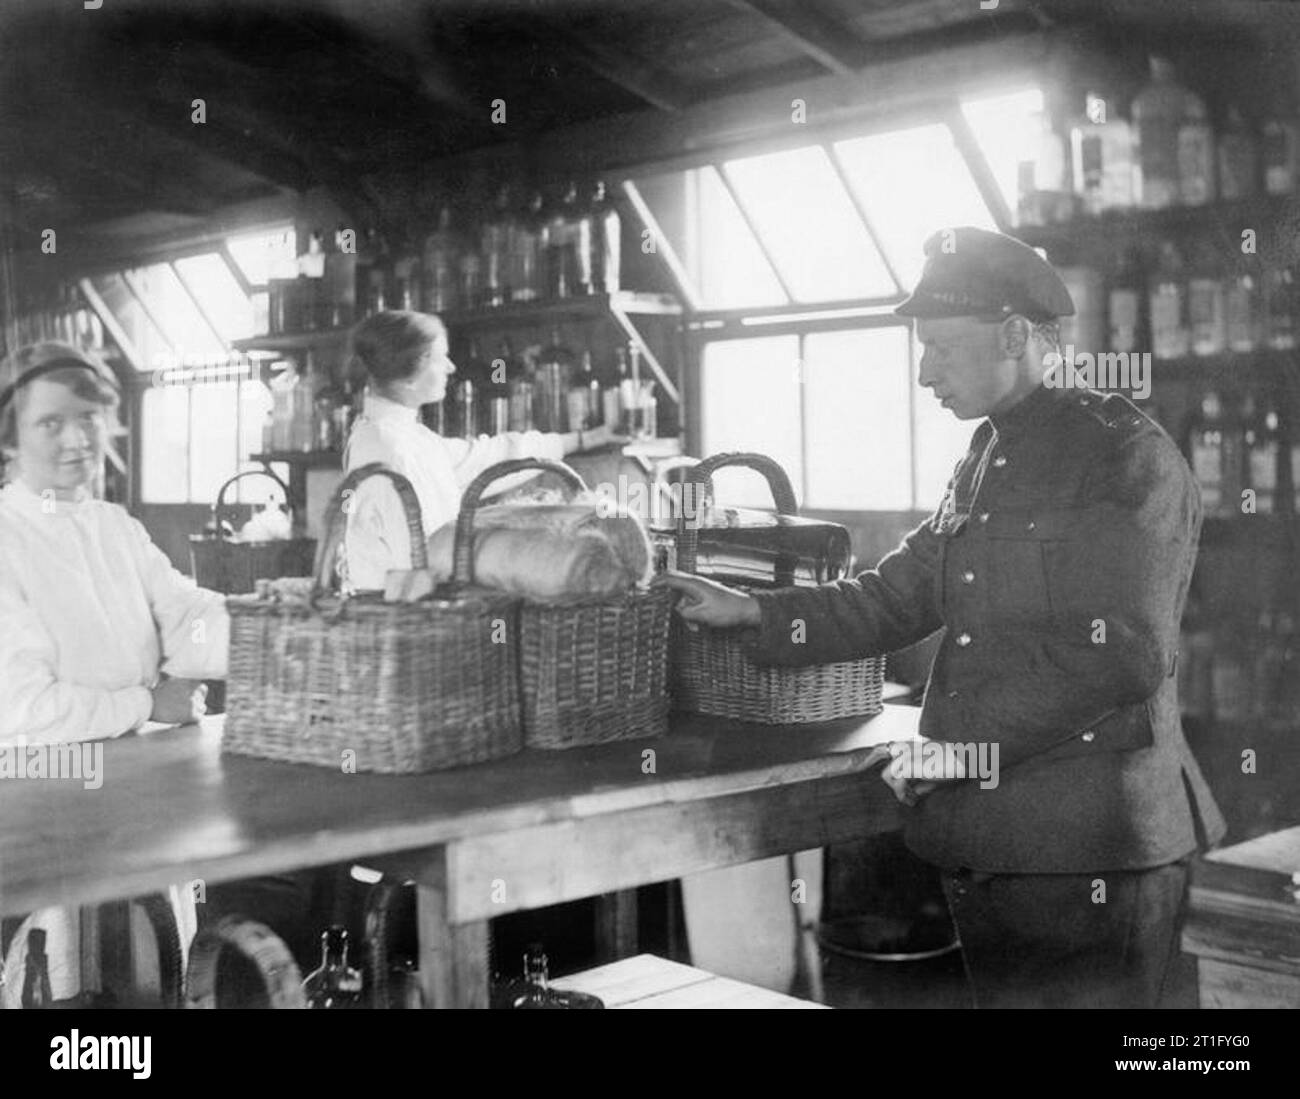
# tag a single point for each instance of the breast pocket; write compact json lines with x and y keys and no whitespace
{"x":1024,"y":548}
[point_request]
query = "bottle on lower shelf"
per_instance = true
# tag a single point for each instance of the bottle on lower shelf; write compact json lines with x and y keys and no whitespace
{"x":335,"y":984}
{"x":533,"y":991}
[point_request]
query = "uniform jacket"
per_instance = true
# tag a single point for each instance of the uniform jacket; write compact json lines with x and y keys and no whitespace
{"x":1059,"y":561}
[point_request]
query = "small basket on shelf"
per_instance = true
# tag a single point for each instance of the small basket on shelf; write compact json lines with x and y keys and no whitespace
{"x":233,"y":568}
{"x":591,"y":670}
{"x":713,"y":674}
{"x":403,"y":687}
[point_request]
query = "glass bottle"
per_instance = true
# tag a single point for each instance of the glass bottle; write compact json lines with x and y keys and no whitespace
{"x":341,"y":279}
{"x":1170,"y":334}
{"x":561,"y":245}
{"x":579,"y":396}
{"x":1205,"y":452}
{"x":1196,"y":160}
{"x":1236,"y":158}
{"x":519,"y":390}
{"x":36,"y":973}
{"x":606,"y":242}
{"x":497,"y":239}
{"x":376,"y":268}
{"x":1205,"y":306}
{"x":304,"y":431}
{"x":441,"y":265}
{"x":1125,"y":303}
{"x":525,"y":280}
{"x":1102,"y":147}
{"x":1242,"y":312}
{"x":335,"y":984}
{"x":550,"y":400}
{"x":535,"y":991}
{"x":1044,"y":184}
{"x":1280,"y":137}
{"x":1260,"y":442}
{"x":595,"y":394}
{"x":1157,"y":116}
{"x":1280,"y":308}
{"x":465,"y":415}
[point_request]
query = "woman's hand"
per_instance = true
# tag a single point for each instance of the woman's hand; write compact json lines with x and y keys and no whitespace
{"x":710,"y":603}
{"x":179,"y":701}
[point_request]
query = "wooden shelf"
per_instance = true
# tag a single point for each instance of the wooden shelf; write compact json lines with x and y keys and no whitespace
{"x":292,"y":341}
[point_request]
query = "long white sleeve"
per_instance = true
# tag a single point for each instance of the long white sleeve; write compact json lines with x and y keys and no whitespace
{"x":35,"y":702}
{"x":193,"y":626}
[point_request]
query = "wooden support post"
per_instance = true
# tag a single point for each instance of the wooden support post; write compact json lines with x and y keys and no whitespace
{"x":453,"y":957}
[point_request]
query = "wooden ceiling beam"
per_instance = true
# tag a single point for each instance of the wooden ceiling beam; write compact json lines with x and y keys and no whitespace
{"x":828,"y":42}
{"x":631,"y":74}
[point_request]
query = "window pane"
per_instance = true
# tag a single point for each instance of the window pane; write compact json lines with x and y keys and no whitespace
{"x":164,"y":424}
{"x":856,"y":398}
{"x":173,"y":308}
{"x":150,"y":344}
{"x":941,"y":440}
{"x":733,"y":269}
{"x":210,"y":281}
{"x":750,"y":401}
{"x":213,"y":438}
{"x":912,"y":183}
{"x":1005,"y":126}
{"x":809,"y":225}
{"x":261,"y":255}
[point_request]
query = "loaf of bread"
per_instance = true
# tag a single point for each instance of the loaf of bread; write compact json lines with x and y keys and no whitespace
{"x":551,"y":553}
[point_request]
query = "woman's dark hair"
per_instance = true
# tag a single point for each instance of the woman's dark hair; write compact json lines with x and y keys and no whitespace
{"x":94,"y":385}
{"x":389,"y":345}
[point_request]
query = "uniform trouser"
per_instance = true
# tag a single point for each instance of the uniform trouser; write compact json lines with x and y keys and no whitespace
{"x":1051,"y":940}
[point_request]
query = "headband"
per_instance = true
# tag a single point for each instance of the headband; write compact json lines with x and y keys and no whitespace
{"x":31,"y":374}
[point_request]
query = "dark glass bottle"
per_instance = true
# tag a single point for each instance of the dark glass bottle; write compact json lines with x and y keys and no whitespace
{"x":36,"y":978}
{"x":534,"y":992}
{"x":335,"y":984}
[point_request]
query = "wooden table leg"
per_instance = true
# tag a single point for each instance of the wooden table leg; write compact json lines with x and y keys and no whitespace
{"x":453,"y":957}
{"x":616,"y":925}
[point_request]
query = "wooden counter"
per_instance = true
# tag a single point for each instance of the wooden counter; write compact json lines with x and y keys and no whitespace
{"x":533,"y":830}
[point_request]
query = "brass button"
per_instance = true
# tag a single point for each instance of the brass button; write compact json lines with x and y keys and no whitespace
{"x":968,"y":577}
{"x":984,"y":516}
{"x":952,"y":694}
{"x":963,"y":639}
{"x":1031,"y":525}
{"x":1088,"y":737}
{"x":1000,"y":461}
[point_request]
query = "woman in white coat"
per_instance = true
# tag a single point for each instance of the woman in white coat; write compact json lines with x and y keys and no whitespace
{"x":405,"y":358}
{"x":98,"y":633}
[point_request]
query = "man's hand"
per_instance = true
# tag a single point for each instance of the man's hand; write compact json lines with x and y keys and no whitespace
{"x":711,"y":603}
{"x":179,"y":701}
{"x":909,"y":759}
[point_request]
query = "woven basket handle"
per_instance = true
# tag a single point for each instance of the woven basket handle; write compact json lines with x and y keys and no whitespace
{"x":335,"y":526}
{"x":280,"y":975}
{"x":221,"y":492}
{"x":688,"y":536}
{"x":463,"y":547}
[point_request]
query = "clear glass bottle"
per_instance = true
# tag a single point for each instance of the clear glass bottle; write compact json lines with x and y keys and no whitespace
{"x":550,"y":398}
{"x":1196,"y":159}
{"x":1205,"y":451}
{"x":607,"y":242}
{"x":1206,"y":314}
{"x":36,"y":973}
{"x":526,"y":282}
{"x":441,"y":268}
{"x":1236,"y":158}
{"x":1170,"y":333}
{"x":1102,"y":147}
{"x":1280,"y":302}
{"x":496,"y":240}
{"x":1157,"y":116}
{"x":1045,"y":196}
{"x":1281,"y":136}
{"x":519,"y":390}
{"x":535,"y":992}
{"x":1126,"y":299}
{"x":335,"y":984}
{"x":1242,"y":312}
{"x":1260,"y":442}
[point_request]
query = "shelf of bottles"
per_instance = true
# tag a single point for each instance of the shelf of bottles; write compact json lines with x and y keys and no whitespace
{"x":62,"y":315}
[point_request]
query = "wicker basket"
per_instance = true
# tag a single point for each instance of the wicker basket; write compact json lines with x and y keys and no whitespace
{"x":591,"y":670}
{"x":711,"y":672}
{"x":277,"y":972}
{"x":403,"y":687}
{"x":234,"y":567}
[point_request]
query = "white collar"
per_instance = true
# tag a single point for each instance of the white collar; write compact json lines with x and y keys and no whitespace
{"x":381,"y":409}
{"x":20,"y":495}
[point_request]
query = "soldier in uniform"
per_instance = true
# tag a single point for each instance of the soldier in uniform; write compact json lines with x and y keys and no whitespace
{"x":1059,"y":563}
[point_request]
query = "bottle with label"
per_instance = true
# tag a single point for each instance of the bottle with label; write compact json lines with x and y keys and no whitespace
{"x":534,"y":992}
{"x":1236,"y":158}
{"x":1206,"y":453}
{"x":441,"y":266}
{"x":36,"y":972}
{"x":606,"y":242}
{"x":1126,"y":305}
{"x":1280,"y":308}
{"x":1260,"y":442}
{"x":1196,"y":159}
{"x":1242,"y":312}
{"x":1102,"y":147}
{"x":1206,"y":314}
{"x":1157,"y":117}
{"x":1170,"y":332}
{"x":1280,"y":136}
{"x":335,"y":984}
